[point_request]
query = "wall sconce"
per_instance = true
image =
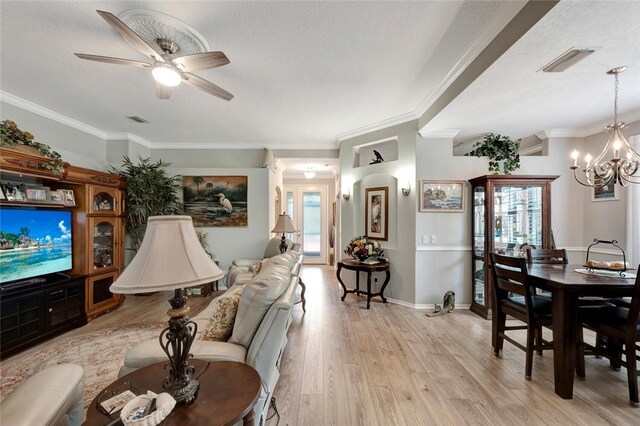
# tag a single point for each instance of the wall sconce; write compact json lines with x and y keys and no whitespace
{"x":346,"y":195}
{"x":406,"y":189}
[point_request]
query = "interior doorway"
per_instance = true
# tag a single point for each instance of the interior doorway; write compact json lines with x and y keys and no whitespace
{"x":307,"y":207}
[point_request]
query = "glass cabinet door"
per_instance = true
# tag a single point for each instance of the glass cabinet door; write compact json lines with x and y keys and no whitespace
{"x":103,"y":200}
{"x":478,"y":222}
{"x":517,"y":219}
{"x":103,"y":241}
{"x":479,"y":290}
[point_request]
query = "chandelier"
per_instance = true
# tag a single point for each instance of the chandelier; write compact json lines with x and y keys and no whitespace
{"x":618,"y":162}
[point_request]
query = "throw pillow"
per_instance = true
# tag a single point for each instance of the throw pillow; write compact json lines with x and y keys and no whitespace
{"x":258,"y":266}
{"x":223,"y":315}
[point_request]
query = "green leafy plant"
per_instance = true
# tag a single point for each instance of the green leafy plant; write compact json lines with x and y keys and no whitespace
{"x":12,"y":136}
{"x":149,"y":191}
{"x":501,"y":150}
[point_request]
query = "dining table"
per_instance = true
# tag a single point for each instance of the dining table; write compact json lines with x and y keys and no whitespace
{"x":567,"y":286}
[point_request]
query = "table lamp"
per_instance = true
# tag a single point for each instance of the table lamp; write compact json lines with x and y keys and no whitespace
{"x":284,"y":225}
{"x":171,"y":258}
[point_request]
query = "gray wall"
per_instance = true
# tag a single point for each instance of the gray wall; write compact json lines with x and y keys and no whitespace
{"x":75,"y":146}
{"x":400,"y":247}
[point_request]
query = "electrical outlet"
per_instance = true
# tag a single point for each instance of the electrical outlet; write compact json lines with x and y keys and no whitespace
{"x":434,"y":240}
{"x":425,"y":239}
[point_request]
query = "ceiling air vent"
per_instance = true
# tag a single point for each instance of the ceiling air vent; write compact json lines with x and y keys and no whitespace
{"x":567,"y":59}
{"x":137,"y":119}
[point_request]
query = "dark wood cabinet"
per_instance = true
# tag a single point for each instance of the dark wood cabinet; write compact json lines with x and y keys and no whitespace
{"x":35,"y":311}
{"x":509,"y":212}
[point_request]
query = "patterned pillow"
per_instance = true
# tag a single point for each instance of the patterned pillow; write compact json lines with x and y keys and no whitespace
{"x":223,"y":315}
{"x":258,"y":266}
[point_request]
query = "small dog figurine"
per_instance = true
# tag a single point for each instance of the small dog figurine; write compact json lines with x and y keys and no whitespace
{"x":448,"y":305}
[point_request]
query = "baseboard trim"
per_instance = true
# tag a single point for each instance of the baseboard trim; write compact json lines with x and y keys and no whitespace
{"x":424,"y":306}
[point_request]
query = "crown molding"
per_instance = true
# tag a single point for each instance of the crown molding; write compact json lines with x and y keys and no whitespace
{"x":400,"y":119}
{"x":50,"y":114}
{"x":439,"y":134}
{"x":562,"y":133}
{"x":130,"y":137}
{"x":502,"y":17}
{"x":531,"y":150}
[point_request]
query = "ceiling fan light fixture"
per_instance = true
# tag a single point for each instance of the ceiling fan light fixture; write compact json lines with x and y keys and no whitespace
{"x":166,"y":75}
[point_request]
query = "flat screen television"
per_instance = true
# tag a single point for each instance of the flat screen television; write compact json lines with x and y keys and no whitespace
{"x":34,"y":242}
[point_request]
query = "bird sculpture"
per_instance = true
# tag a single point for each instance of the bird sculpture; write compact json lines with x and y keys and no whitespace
{"x":226,"y":204}
{"x":378,"y":158}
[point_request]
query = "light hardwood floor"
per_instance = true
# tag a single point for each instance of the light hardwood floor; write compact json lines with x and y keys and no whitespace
{"x":392,"y":365}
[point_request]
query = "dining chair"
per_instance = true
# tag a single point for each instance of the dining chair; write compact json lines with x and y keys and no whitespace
{"x":559,"y":257}
{"x":546,"y":256}
{"x":621,"y":327}
{"x":514,"y":296}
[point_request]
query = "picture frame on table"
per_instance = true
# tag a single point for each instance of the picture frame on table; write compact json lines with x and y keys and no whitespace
{"x":377,"y":213}
{"x":608,"y":192}
{"x":445,"y":196}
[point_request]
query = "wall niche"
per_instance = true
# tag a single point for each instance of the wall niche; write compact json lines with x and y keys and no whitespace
{"x":372,"y":153}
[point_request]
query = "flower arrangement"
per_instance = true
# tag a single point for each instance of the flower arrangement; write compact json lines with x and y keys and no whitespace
{"x":12,"y":135}
{"x":362,"y":248}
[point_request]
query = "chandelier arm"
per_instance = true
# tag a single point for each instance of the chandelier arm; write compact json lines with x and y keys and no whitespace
{"x":575,"y":176}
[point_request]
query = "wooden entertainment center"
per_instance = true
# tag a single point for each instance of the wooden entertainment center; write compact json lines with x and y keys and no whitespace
{"x":44,"y":307}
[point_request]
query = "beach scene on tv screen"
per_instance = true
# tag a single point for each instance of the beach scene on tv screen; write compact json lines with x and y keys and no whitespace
{"x":33,"y":243}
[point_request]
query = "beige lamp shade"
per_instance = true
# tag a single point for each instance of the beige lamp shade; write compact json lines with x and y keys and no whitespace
{"x":169,"y":258}
{"x":284,"y":224}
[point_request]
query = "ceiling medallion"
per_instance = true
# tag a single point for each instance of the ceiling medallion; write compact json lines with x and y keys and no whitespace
{"x":169,"y":34}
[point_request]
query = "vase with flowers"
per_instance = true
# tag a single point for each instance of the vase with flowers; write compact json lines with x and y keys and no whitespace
{"x":364,"y":249}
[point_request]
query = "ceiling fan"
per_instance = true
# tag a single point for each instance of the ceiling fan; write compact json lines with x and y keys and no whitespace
{"x":167,"y":70}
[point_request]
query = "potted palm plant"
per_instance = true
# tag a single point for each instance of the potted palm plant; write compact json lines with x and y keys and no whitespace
{"x":501,"y":150}
{"x":149,"y":192}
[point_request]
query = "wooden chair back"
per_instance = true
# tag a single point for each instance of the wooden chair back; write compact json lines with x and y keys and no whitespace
{"x":634,"y":309}
{"x":547,"y":256}
{"x":509,"y":274}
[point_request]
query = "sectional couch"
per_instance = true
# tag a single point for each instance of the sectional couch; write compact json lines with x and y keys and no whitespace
{"x":259,"y":331}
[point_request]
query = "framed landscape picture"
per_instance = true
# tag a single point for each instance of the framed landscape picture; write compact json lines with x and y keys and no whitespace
{"x":608,"y":192}
{"x":216,"y":200}
{"x":441,"y":196}
{"x":377,"y":213}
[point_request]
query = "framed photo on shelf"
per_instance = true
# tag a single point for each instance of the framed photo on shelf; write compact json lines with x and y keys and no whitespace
{"x":608,"y":192}
{"x":69,"y":198}
{"x":441,"y":196}
{"x":36,"y":194}
{"x":56,"y":197}
{"x":377,"y":213}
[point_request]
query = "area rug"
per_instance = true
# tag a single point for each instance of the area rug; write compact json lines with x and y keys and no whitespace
{"x":100,"y":353}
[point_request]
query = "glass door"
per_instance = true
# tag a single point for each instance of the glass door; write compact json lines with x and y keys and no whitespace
{"x":307,"y":206}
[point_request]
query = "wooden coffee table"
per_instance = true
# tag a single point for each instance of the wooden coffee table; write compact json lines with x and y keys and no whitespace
{"x":228,"y":392}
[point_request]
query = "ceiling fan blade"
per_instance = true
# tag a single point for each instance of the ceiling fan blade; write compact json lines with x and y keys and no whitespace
{"x":127,"y":33}
{"x":110,"y":60}
{"x":207,"y":86}
{"x":201,"y":61}
{"x":163,"y":92}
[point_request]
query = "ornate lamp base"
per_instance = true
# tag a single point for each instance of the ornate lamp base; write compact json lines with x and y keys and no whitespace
{"x":283,"y":243}
{"x":176,"y":342}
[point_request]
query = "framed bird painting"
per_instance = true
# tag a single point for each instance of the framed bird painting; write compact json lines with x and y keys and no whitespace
{"x":216,"y":201}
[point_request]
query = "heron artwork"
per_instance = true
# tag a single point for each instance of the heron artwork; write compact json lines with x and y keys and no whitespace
{"x":225,"y":203}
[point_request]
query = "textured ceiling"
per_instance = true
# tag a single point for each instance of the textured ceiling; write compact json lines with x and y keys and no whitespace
{"x":301,"y":72}
{"x":512,"y":97}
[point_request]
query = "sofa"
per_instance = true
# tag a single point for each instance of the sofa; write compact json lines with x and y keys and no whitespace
{"x":259,"y":331}
{"x":52,"y":396}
